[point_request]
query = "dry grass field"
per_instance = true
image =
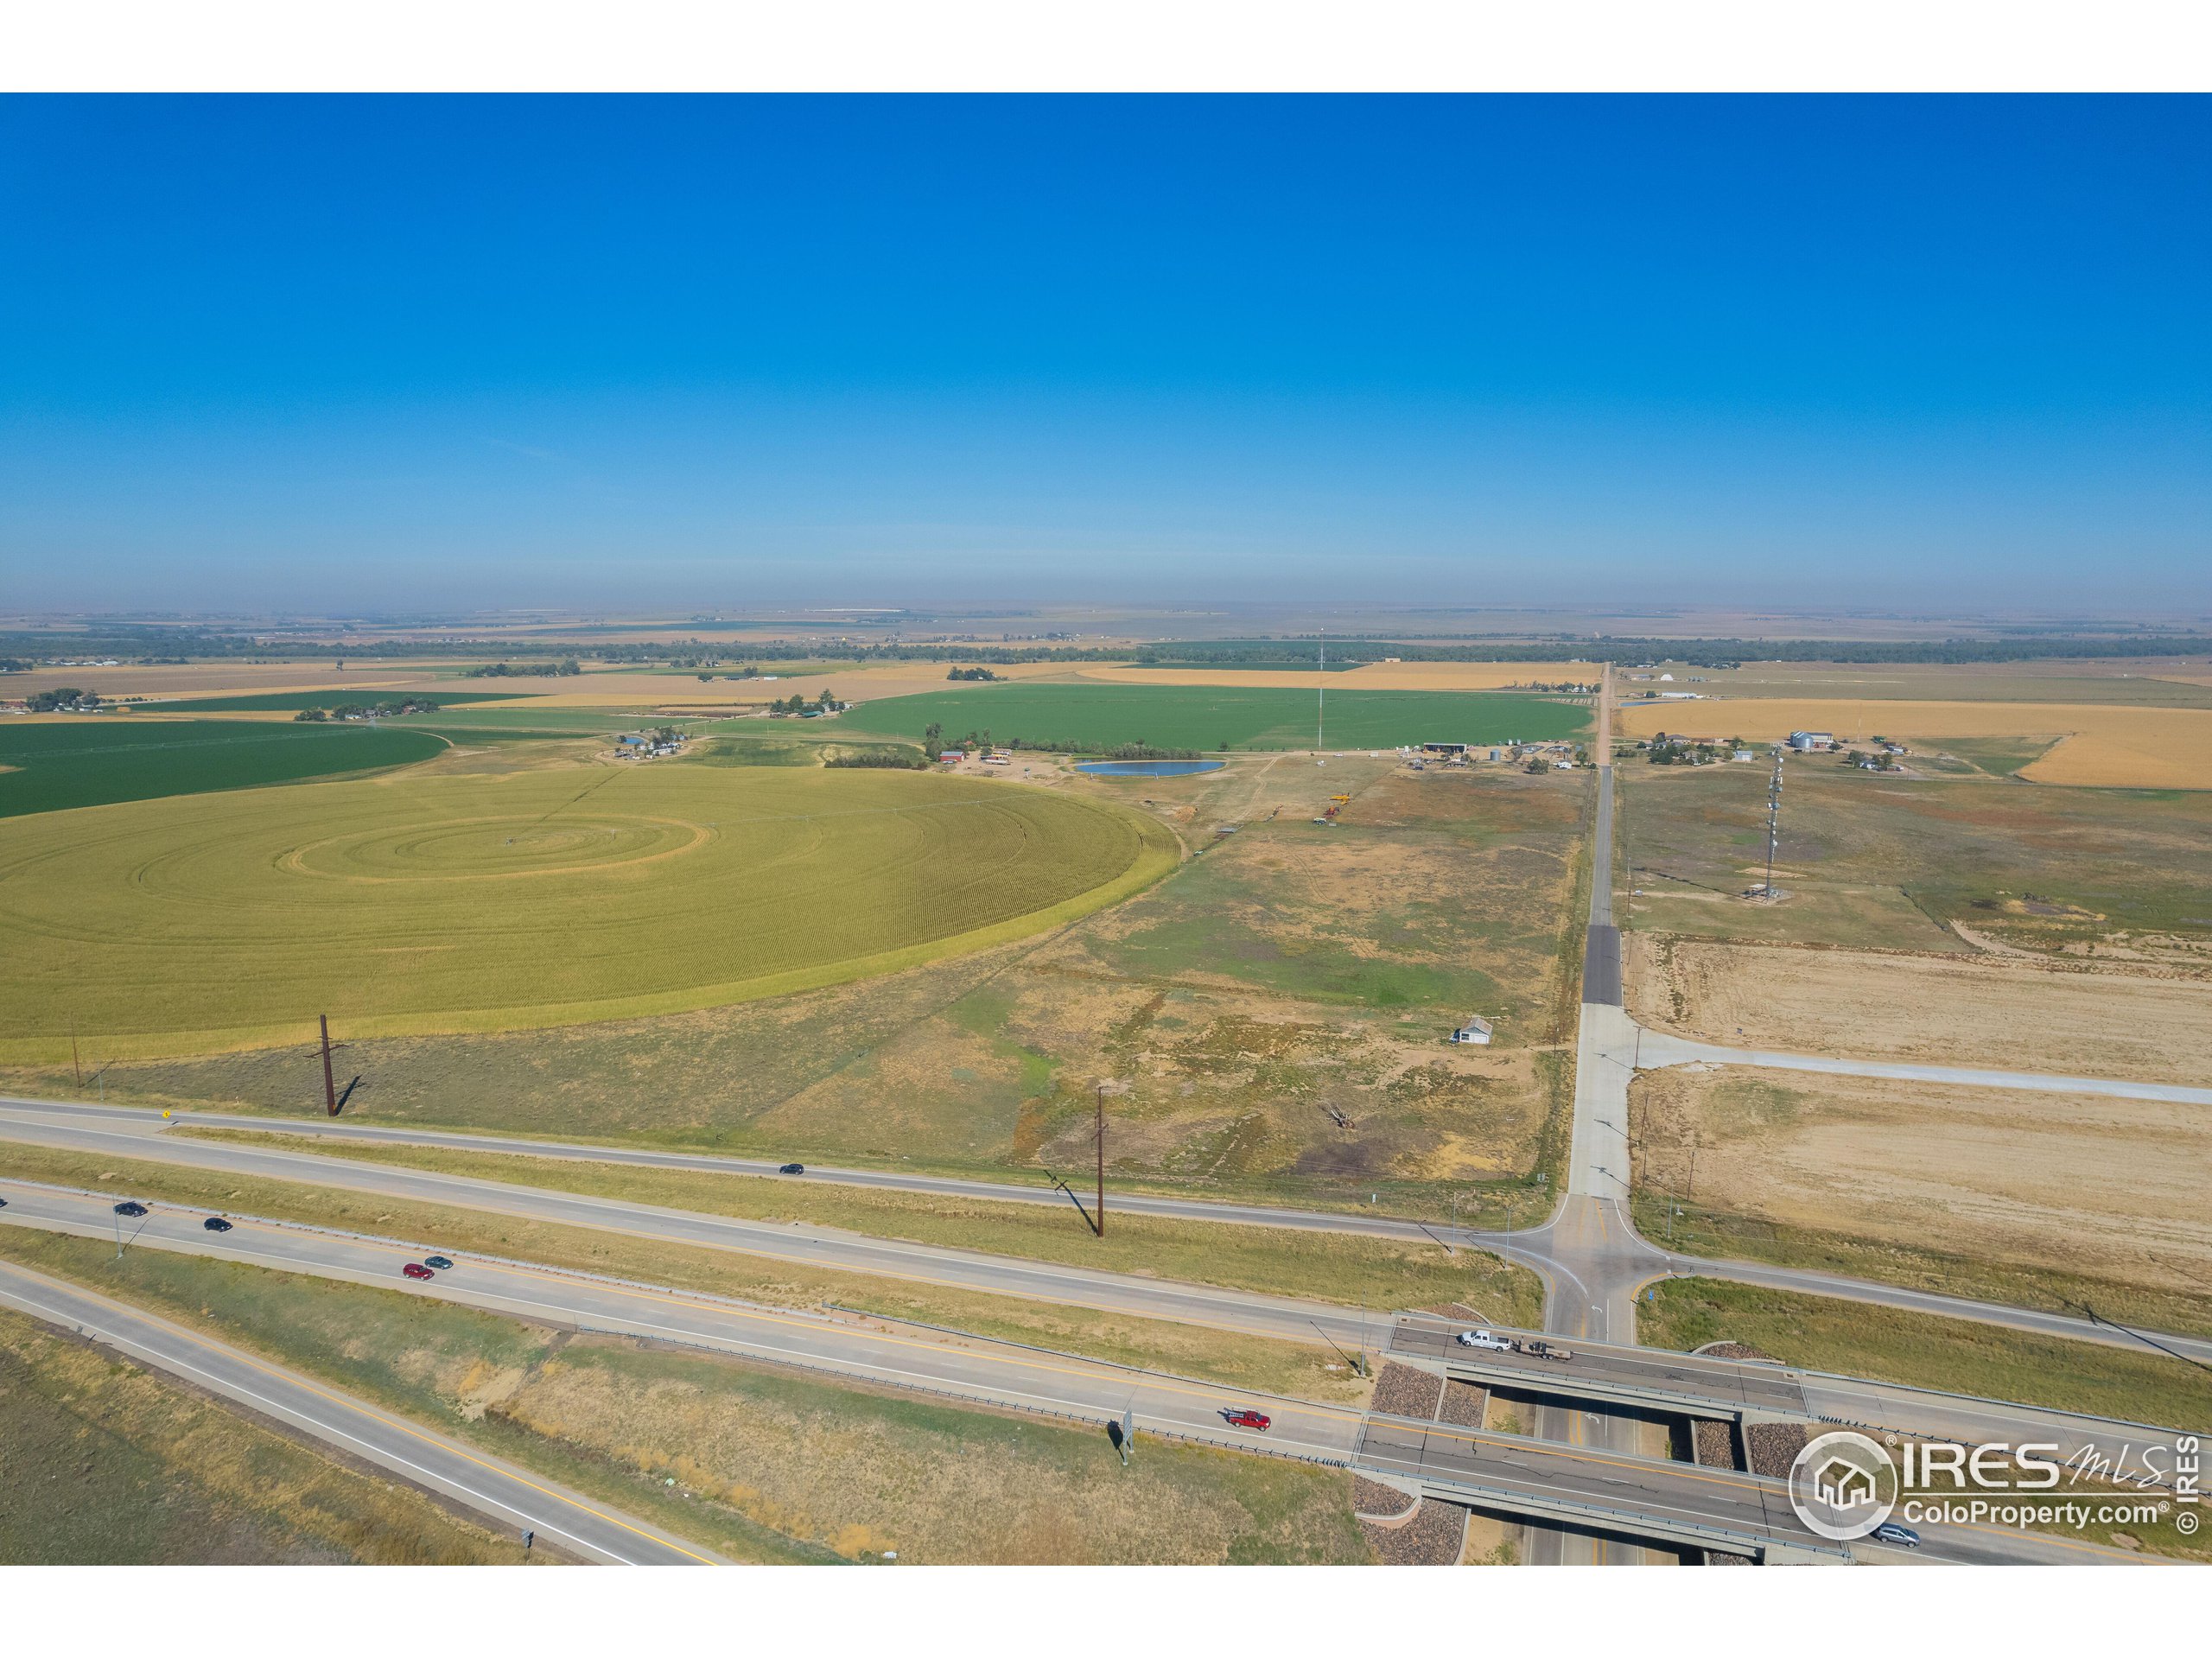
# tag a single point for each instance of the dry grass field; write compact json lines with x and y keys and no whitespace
{"x":1894,"y":862}
{"x":1277,"y":1010}
{"x":760,"y":1464}
{"x":103,"y":1464}
{"x":2097,"y":745}
{"x":2077,"y":1184}
{"x":2008,"y":1012}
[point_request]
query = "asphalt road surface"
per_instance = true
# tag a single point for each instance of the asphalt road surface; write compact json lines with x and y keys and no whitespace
{"x":962,"y":1369}
{"x":869,"y":1350}
{"x":509,"y":1499}
{"x":1531,"y":1247}
{"x":825,"y":1248}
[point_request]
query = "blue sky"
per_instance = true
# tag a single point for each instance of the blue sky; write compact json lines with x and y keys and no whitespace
{"x":417,"y":353}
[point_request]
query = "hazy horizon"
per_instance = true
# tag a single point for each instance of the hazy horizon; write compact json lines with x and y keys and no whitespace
{"x":327,"y":355}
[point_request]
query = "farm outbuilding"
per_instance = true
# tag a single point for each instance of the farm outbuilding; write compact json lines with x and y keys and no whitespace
{"x":1473,"y":1029}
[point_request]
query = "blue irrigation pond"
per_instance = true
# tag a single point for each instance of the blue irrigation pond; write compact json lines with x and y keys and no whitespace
{"x":1147,"y":768}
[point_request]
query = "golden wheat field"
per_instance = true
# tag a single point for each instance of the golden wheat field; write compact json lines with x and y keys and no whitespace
{"x":419,"y":902}
{"x":2113,"y":746}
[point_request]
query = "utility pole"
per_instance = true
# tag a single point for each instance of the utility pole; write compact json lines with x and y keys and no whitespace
{"x":1321,"y":695}
{"x":329,"y":1083}
{"x":76,"y":1065}
{"x":1691,"y":1191}
{"x":1102,"y":1161}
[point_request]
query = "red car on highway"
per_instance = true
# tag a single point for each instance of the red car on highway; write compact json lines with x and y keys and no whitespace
{"x":416,"y":1270}
{"x":1245,"y":1417}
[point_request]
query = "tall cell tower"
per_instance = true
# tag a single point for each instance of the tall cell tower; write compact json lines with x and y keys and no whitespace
{"x":1321,"y":694}
{"x":1773,"y":822}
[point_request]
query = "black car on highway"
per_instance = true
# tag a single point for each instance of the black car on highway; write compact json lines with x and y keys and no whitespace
{"x":793,"y":1169}
{"x":131,"y":1207}
{"x":216,"y":1224}
{"x":438,"y":1261}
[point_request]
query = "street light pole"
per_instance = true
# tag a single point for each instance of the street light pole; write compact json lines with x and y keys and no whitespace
{"x":1102,"y":1161}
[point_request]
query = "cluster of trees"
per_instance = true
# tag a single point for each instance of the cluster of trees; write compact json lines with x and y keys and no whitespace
{"x":62,"y":699}
{"x":935,"y":746}
{"x":372,"y":710}
{"x":796,"y":704}
{"x":890,"y":759}
{"x":562,"y":670}
{"x":973,"y":674}
{"x":14,"y":665}
{"x":1678,"y":751}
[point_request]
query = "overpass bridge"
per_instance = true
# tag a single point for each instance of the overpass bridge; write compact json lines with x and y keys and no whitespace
{"x":1592,"y":1489}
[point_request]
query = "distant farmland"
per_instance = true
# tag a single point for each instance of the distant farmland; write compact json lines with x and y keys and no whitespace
{"x":1217,"y":717}
{"x":281,"y":701}
{"x":474,"y":903}
{"x":96,"y":763}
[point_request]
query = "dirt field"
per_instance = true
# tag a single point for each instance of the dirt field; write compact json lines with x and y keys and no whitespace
{"x":2099,"y":744}
{"x":2001,"y":1011}
{"x":2076,"y":1184}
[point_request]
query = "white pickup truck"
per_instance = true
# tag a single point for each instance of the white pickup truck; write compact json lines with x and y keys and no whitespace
{"x":1490,"y":1340}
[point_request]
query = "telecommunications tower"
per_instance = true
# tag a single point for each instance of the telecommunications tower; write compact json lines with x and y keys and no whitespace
{"x":1773,"y":822}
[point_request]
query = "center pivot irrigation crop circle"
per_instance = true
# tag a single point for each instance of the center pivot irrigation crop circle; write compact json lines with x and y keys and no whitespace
{"x":490,"y":848}
{"x":418,"y":904}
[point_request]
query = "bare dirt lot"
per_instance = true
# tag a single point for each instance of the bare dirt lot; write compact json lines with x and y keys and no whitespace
{"x":2076,"y":1184}
{"x":2003,"y":1011}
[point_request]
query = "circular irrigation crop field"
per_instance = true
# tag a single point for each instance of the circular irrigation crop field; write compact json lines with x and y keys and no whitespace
{"x":441,"y":904}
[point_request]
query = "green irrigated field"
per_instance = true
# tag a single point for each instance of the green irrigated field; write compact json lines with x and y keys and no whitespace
{"x":1215,"y":717}
{"x":424,"y":902}
{"x":48,"y":766}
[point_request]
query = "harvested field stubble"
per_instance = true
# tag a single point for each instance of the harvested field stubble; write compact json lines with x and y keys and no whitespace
{"x":2005,"y":1013}
{"x":2079,"y":1184}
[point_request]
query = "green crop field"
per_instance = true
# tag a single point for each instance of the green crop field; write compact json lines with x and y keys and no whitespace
{"x":1215,"y":717}
{"x":279,"y":700}
{"x":467,"y":902}
{"x":58,"y":764}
